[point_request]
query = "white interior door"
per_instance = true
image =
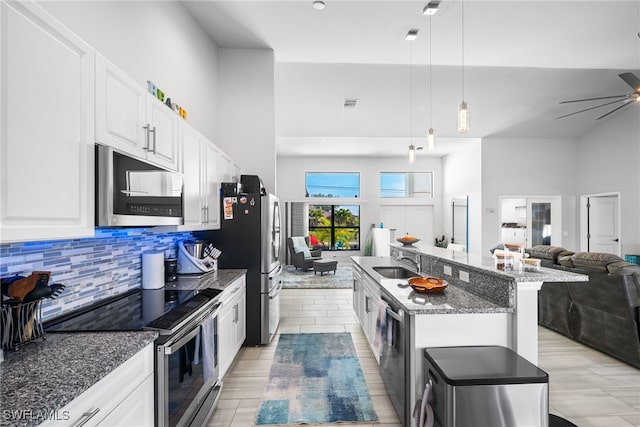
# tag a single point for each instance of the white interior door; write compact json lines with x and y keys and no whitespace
{"x":603,"y":227}
{"x":415,"y":220}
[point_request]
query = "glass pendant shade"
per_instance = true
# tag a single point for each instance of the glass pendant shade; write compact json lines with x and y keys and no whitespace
{"x":431,"y":140}
{"x":463,"y":117}
{"x":412,"y":154}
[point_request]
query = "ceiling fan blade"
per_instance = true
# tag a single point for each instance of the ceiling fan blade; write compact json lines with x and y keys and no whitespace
{"x":587,"y":109}
{"x":593,"y":99}
{"x":631,"y":80}
{"x":615,"y":109}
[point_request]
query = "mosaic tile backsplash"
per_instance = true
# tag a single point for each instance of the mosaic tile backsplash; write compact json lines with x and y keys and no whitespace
{"x":91,"y":269}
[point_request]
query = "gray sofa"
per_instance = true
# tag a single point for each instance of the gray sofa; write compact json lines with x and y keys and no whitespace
{"x":603,"y":312}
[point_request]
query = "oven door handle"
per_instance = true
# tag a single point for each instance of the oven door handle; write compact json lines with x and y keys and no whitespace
{"x":396,"y":316}
{"x":170,"y":349}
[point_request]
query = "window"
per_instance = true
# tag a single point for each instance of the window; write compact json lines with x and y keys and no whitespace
{"x":332,"y":184}
{"x":335,"y":227}
{"x":406,"y":184}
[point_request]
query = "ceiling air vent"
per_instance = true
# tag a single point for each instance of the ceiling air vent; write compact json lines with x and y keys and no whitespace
{"x":350,"y":104}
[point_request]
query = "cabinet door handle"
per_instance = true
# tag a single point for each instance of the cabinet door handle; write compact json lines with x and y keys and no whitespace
{"x":235,"y":313}
{"x":206,"y":210}
{"x":366,"y":304}
{"x":86,"y":417}
{"x":153,"y":131}
{"x":146,"y":137}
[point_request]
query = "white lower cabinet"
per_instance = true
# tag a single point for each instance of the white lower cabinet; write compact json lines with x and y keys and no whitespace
{"x":137,"y":410}
{"x":232,"y":323}
{"x":46,"y":118}
{"x":366,"y":300}
{"x":125,"y":397}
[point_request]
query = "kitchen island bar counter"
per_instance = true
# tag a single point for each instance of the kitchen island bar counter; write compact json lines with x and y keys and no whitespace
{"x":452,"y":300}
{"x":481,"y":306}
{"x":433,"y":255}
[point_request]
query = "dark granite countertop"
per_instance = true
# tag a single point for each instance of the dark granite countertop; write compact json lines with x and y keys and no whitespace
{"x":485,"y":264}
{"x":45,"y":375}
{"x":219,"y":279}
{"x":453,"y":300}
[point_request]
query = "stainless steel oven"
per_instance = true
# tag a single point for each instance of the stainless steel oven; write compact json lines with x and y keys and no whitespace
{"x":187,"y":386}
{"x":187,"y":371}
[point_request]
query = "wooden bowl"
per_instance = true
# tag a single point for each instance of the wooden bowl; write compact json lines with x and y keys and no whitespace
{"x":405,"y":240}
{"x":427,"y":285}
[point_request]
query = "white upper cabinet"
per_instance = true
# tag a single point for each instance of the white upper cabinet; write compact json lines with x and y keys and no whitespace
{"x":47,"y":127}
{"x":226,"y":169}
{"x":120,"y":109}
{"x":211,"y":186}
{"x":132,"y":120}
{"x":162,"y":134}
{"x":200,"y":170}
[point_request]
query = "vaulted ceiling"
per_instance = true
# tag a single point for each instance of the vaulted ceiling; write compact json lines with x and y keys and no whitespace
{"x":521,"y":58}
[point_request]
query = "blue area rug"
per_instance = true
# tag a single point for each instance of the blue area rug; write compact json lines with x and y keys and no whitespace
{"x":316,"y":378}
{"x":300,"y":279}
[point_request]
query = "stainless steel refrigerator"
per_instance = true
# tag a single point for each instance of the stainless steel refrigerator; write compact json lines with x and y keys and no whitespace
{"x":249,"y":238}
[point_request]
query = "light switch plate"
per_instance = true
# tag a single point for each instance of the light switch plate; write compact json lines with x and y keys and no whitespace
{"x":464,"y":276}
{"x":447,"y":270}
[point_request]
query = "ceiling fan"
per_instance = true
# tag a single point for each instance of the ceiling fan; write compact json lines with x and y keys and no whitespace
{"x":629,"y":78}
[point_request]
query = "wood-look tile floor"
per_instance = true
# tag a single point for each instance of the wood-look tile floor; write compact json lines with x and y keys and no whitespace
{"x":586,"y":386}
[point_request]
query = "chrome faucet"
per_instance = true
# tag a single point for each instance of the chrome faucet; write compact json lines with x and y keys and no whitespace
{"x":415,"y":262}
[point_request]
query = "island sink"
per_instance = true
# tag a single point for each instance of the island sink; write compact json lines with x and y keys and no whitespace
{"x":391,"y":272}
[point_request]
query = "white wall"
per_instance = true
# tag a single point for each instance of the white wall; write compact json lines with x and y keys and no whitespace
{"x":154,"y":40}
{"x":461,"y":176}
{"x":609,"y":161}
{"x":247,"y":112}
{"x":528,"y":167}
{"x":291,"y":178}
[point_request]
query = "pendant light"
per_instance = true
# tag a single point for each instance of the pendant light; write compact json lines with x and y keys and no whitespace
{"x":411,"y":36}
{"x":431,"y":135}
{"x":463,"y":109}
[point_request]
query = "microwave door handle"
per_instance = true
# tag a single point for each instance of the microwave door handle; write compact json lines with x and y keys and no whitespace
{"x":133,"y":192}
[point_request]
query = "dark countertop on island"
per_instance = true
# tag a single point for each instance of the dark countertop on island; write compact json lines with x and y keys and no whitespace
{"x":453,"y":300}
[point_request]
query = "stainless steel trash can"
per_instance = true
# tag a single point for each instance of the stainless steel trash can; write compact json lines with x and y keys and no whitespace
{"x":485,"y":386}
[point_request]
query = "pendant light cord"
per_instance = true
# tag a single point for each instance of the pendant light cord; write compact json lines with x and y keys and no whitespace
{"x":411,"y":92}
{"x":430,"y":74}
{"x":462,"y":32}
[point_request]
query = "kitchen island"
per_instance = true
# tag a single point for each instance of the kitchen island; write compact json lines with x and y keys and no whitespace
{"x":480,"y":306}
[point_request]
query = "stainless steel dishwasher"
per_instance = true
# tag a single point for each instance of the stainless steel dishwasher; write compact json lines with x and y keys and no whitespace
{"x":394,"y":365}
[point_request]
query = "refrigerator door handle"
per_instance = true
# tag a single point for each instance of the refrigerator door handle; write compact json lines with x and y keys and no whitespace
{"x":276,"y":273}
{"x":276,"y":291}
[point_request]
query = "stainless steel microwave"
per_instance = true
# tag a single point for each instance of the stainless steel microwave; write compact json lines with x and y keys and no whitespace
{"x":134,"y":192}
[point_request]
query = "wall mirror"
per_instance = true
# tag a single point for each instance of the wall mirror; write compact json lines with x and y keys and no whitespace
{"x":459,"y":223}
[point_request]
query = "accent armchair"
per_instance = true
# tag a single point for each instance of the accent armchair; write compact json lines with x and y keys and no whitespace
{"x":301,"y":255}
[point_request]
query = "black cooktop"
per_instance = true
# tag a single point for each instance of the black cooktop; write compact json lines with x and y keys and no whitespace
{"x":135,"y":310}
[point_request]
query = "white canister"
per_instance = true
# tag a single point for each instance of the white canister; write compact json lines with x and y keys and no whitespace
{"x":152,"y":270}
